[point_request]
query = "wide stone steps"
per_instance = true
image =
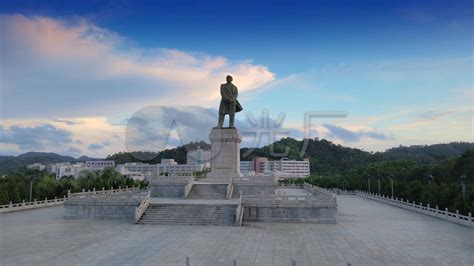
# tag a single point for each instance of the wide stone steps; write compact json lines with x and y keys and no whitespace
{"x":208,"y":191}
{"x":190,"y":214}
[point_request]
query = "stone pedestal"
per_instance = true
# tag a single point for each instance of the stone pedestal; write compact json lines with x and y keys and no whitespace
{"x":225,"y":152}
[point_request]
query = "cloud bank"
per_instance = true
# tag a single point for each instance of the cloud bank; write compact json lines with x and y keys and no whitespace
{"x":78,"y":69}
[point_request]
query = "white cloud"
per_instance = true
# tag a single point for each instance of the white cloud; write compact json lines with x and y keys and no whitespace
{"x":75,"y":68}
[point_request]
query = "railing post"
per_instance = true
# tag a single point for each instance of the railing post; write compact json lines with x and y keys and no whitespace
{"x":428,"y":209}
{"x":103,"y":188}
{"x":11,"y":204}
{"x":446,"y":213}
{"x":469,"y":215}
{"x":437,"y":213}
{"x":457,"y":216}
{"x":68,"y":193}
{"x":83,"y":190}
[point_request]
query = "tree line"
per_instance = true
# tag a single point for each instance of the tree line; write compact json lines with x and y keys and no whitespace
{"x":437,"y":183}
{"x":15,"y":186}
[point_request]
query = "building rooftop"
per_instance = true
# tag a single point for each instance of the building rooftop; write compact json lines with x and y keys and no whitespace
{"x":367,"y":232}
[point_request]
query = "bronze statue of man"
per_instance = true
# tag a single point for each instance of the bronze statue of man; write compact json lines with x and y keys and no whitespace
{"x":229,"y":104}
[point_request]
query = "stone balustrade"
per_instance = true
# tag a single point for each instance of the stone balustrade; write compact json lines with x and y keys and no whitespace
{"x":255,"y":180}
{"x":298,"y":200}
{"x":230,"y":190}
{"x":140,"y":209}
{"x":239,"y":212}
{"x":102,"y":192}
{"x":427,"y":210}
{"x":134,"y":194}
{"x":188,"y":187}
{"x":322,"y":193}
{"x":171,"y":179}
{"x":31,"y":205}
{"x":291,"y":185}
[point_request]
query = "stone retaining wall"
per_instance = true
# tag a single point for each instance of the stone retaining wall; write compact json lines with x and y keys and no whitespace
{"x":253,"y":189}
{"x":101,"y":210}
{"x":168,"y":190}
{"x":293,"y":214}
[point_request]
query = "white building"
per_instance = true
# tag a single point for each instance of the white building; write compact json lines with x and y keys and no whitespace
{"x":135,"y":168}
{"x":36,"y":166}
{"x":199,"y":157}
{"x":67,"y":169}
{"x":282,"y":169}
{"x":183,"y":169}
{"x":246,"y":167}
{"x":99,"y":165}
{"x":171,"y":167}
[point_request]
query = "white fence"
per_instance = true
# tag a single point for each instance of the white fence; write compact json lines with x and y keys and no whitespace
{"x":427,"y":210}
{"x":170,"y":179}
{"x":254,"y":180}
{"x":103,"y":193}
{"x":239,"y":212}
{"x":31,"y":205}
{"x":301,"y":200}
{"x":142,"y":207}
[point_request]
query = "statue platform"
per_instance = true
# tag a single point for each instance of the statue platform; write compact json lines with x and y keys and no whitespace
{"x":225,"y":155}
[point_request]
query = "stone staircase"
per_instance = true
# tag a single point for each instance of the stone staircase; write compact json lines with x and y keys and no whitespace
{"x":189,"y":214}
{"x":208,"y":191}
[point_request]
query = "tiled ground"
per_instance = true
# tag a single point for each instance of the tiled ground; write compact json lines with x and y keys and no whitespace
{"x":367,"y":232}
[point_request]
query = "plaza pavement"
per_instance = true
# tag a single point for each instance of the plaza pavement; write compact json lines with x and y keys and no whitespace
{"x":366,"y":233}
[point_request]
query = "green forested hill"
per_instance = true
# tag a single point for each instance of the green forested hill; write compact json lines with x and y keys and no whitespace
{"x":326,"y":158}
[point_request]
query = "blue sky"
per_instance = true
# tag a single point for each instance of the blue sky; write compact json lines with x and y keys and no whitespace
{"x":402,"y":70}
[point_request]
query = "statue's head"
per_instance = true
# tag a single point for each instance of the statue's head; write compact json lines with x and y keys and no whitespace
{"x":229,"y":78}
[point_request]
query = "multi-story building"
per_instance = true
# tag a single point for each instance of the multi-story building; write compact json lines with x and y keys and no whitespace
{"x":36,"y":166}
{"x":183,"y":169}
{"x":99,"y":165}
{"x":298,"y":168}
{"x":199,"y":157}
{"x":246,"y":167}
{"x":133,"y":168}
{"x":283,"y":169}
{"x":67,"y":169}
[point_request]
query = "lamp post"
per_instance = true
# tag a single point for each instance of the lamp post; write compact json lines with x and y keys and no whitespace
{"x":31,"y":186}
{"x":463,"y":178}
{"x":430,"y":179}
{"x":391,"y":183}
{"x":378,"y":183}
{"x":368,"y":182}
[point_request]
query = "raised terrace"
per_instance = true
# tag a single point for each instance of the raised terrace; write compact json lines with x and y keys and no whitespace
{"x":367,"y":232}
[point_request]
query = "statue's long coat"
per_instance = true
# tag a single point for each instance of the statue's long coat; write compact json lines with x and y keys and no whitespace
{"x":229,"y":95}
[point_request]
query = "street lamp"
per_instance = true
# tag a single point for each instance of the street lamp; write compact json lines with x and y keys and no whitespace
{"x":378,"y":183}
{"x":368,"y":182}
{"x":31,"y":186}
{"x":430,"y":179}
{"x":463,"y":179}
{"x":391,"y":183}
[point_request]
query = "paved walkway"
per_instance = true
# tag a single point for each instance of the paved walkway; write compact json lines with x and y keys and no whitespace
{"x":367,"y":233}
